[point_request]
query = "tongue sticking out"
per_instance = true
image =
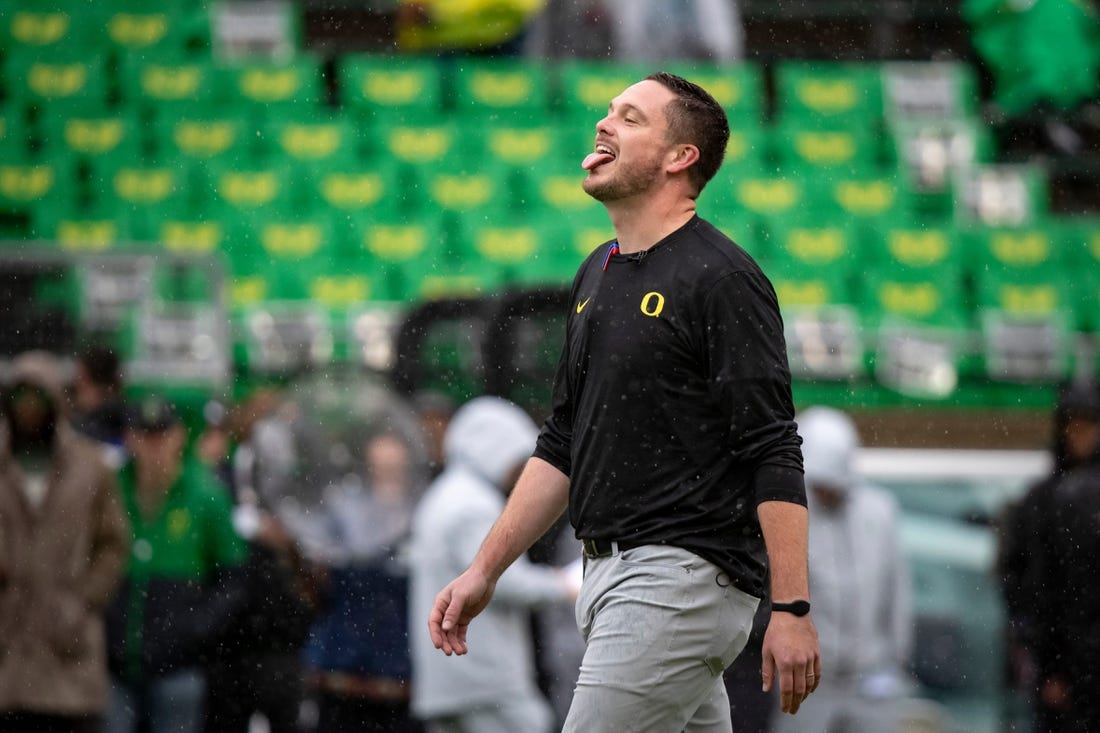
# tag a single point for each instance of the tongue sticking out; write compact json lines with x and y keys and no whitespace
{"x":592,"y":160}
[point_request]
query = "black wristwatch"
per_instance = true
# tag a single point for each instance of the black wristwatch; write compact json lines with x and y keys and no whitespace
{"x":798,"y":608}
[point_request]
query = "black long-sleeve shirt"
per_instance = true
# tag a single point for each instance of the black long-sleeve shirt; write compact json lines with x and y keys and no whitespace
{"x":672,"y":411}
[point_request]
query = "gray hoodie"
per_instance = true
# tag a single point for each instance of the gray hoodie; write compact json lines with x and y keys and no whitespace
{"x":859,"y":580}
{"x":486,"y":439}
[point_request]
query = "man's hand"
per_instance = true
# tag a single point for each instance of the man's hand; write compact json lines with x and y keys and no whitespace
{"x":791,"y":652}
{"x":456,"y":605}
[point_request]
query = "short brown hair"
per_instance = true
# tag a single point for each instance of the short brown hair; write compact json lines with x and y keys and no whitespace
{"x":694,"y":116}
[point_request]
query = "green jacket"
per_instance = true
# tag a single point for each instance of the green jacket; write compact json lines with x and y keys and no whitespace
{"x":182,"y":588}
{"x":1040,"y":51}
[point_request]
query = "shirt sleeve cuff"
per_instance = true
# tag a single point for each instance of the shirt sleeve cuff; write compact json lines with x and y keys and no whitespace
{"x":780,"y":483}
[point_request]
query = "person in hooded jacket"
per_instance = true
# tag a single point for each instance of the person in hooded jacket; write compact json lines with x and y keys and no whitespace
{"x":1043,"y":544}
{"x":493,"y":688}
{"x":859,"y":580}
{"x":64,"y":540}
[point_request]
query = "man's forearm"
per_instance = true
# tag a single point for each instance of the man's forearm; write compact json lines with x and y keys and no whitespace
{"x":785,"y":529}
{"x":540,"y":496}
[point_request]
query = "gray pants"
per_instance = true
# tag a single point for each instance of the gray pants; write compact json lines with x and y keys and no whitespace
{"x":660,"y":624}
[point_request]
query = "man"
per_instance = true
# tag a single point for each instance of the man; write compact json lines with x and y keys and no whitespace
{"x":99,"y":410}
{"x":860,"y":583}
{"x":63,"y":544}
{"x":1027,"y":559}
{"x":493,"y":689}
{"x":671,"y":441}
{"x":183,"y":588}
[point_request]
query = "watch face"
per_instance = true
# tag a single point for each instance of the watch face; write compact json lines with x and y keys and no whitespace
{"x":798,"y":608}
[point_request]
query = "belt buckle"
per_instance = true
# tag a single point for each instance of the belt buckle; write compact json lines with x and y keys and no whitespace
{"x":592,"y":549}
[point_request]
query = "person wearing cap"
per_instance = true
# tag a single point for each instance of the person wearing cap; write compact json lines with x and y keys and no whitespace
{"x":182,"y":589}
{"x":859,"y":581}
{"x":63,"y":545}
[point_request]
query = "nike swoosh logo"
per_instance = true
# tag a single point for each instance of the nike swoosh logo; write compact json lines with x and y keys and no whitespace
{"x":580,"y":306}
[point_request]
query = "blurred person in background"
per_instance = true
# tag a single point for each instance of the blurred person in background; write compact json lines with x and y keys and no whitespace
{"x":184,"y":585}
{"x":665,"y":30}
{"x":358,"y":651}
{"x":479,"y":27}
{"x":434,"y":410}
{"x":99,"y":411}
{"x":492,"y":689}
{"x":63,"y":545}
{"x":1029,"y":567}
{"x":859,"y":581}
{"x":258,"y":666}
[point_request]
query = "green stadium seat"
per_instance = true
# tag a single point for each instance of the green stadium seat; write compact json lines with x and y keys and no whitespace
{"x":171,"y":84}
{"x":865,"y":198}
{"x":26,"y":185}
{"x":914,"y":246}
{"x":133,"y":188}
{"x":42,"y":26}
{"x":535,"y":250}
{"x":587,"y":87}
{"x":91,"y":137}
{"x":1027,"y":293}
{"x":811,"y":148}
{"x":924,"y":296}
{"x":206,"y":137}
{"x":339,"y":287}
{"x":156,"y":29}
{"x":184,"y":233}
{"x":739,"y":88}
{"x":503,"y":90}
{"x":814,"y":243}
{"x":469,"y":190}
{"x":408,"y":90}
{"x":265,"y":87}
{"x":235,"y":190}
{"x":1032,"y":249}
{"x":77,"y":231}
{"x":763,"y":195}
{"x":294,"y":240}
{"x":524,"y":145}
{"x":351,"y":187}
{"x":395,"y":246}
{"x":557,"y":188}
{"x":842,"y":93}
{"x":422,"y":145}
{"x":32,"y":80}
{"x":312,"y":139}
{"x":801,"y":286}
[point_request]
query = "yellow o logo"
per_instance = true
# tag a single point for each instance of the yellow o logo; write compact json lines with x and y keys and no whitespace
{"x":653,"y":304}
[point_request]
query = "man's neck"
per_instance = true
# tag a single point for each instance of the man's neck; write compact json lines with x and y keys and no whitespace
{"x":641,"y":223}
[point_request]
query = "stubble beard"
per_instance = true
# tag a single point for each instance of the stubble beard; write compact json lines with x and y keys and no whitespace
{"x":628,"y":182}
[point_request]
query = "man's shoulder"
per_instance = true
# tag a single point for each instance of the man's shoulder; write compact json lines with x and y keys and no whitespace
{"x":718,"y":253}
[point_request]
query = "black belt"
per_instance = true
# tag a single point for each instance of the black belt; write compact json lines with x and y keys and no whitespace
{"x":606,"y":548}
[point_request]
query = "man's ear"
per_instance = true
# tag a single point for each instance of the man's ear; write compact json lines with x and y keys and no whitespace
{"x":682,"y":157}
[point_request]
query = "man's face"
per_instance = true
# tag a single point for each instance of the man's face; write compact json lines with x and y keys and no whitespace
{"x":32,"y":419}
{"x":631,"y":144}
{"x":1082,"y":438}
{"x":159,"y":450}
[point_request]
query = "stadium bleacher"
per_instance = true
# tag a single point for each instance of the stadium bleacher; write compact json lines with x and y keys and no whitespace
{"x":369,"y":178}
